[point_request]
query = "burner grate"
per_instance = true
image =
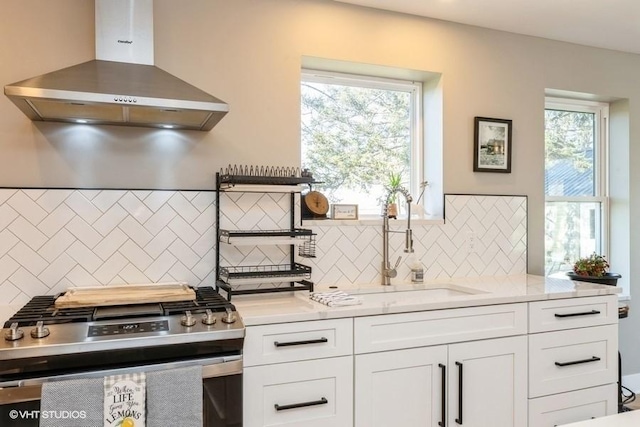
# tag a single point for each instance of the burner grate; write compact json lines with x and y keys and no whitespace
{"x":41,"y":308}
{"x":206,"y":298}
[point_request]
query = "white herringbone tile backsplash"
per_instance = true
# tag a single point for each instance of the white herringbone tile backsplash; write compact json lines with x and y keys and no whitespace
{"x":353,"y":254}
{"x":52,"y":239}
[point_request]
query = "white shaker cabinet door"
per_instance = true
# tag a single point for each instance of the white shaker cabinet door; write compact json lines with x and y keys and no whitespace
{"x":401,"y":388}
{"x":311,"y":393}
{"x":488,"y":383}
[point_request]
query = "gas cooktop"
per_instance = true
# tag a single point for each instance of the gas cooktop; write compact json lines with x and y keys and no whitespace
{"x":39,"y":329}
{"x":41,"y":308}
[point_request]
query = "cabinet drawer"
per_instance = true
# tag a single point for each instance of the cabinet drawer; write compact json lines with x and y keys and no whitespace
{"x":407,"y":330}
{"x":313,"y":393}
{"x":288,"y":342}
{"x":574,"y":406}
{"x":569,"y":360}
{"x":571,"y":313}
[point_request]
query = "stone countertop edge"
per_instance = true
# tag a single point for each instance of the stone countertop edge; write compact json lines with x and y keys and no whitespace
{"x":262,"y":309}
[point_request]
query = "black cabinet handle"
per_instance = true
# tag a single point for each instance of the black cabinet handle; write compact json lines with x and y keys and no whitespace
{"x":584,"y":313}
{"x":578,"y":362}
{"x":322,"y":401}
{"x":290,"y":343}
{"x":459,"y":419}
{"x":444,"y":395}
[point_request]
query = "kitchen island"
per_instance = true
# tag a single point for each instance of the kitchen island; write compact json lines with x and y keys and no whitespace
{"x":509,"y":351}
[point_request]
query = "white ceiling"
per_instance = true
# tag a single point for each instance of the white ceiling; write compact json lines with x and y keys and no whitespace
{"x":611,"y":24}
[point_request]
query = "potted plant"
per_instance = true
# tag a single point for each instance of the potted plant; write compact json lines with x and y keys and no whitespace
{"x":395,"y":179}
{"x":593,"y":269}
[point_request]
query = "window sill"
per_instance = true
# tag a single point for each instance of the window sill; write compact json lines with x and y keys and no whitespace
{"x":369,"y":221}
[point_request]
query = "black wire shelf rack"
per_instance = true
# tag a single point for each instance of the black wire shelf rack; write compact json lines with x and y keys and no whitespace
{"x":305,"y":239}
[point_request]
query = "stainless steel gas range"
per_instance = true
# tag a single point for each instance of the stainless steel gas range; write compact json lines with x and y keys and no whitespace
{"x":41,"y":343}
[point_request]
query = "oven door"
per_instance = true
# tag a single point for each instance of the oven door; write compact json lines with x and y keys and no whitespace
{"x":221,"y":384}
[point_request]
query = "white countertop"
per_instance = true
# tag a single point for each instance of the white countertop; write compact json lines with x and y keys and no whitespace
{"x":625,"y":419}
{"x":376,"y":299}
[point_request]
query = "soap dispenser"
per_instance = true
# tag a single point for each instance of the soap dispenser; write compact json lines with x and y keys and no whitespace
{"x":417,"y":271}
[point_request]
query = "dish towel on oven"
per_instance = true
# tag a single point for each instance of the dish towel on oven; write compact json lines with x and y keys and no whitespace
{"x":174,"y":398}
{"x":72,"y":403}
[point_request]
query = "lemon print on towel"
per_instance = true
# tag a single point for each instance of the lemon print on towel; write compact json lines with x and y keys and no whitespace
{"x":124,"y":400}
{"x":128,"y":422}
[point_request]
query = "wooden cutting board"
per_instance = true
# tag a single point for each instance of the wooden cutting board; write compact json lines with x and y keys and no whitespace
{"x":99,"y":296}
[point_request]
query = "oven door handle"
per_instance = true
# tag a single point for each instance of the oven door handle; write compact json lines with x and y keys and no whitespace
{"x":27,"y":390}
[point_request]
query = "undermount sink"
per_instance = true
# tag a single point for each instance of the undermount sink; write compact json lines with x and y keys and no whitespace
{"x":445,"y":291}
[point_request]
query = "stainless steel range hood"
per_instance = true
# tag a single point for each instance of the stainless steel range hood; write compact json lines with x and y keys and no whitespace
{"x":122,"y":86}
{"x":108,"y":92}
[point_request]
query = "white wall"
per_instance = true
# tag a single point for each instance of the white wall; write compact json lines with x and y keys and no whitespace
{"x":248,"y":53}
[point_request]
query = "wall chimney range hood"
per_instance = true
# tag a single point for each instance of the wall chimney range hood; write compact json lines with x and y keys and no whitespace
{"x":122,"y":86}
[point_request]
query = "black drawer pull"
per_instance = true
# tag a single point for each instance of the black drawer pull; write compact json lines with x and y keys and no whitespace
{"x":290,"y":343}
{"x":584,"y":313}
{"x":459,"y":419}
{"x":578,"y":362}
{"x":301,"y":405}
{"x":443,"y":409}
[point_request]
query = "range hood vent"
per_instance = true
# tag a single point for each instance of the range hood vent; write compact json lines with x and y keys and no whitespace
{"x":122,"y":86}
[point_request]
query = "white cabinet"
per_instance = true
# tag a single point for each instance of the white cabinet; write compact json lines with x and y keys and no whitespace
{"x":407,"y":330}
{"x":574,"y":406}
{"x":537,"y":364}
{"x":478,"y":383}
{"x":312,"y":393}
{"x":299,"y":374}
{"x":488,"y":383}
{"x":573,"y":360}
{"x":481,"y":383}
{"x":401,"y":388}
{"x":291,"y":342}
{"x":563,"y":314}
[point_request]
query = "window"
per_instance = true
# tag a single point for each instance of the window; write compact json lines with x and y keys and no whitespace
{"x":355,"y":131}
{"x":576,"y":210}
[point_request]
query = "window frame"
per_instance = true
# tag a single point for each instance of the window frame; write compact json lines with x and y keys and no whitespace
{"x":417,"y":158}
{"x":601,"y":160}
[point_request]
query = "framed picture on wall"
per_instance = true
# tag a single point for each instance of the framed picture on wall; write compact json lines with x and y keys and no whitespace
{"x":344,"y":211}
{"x":492,"y":145}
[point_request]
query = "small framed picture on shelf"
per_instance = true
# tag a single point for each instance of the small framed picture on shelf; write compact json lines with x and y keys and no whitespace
{"x":492,"y":145}
{"x":344,"y":211}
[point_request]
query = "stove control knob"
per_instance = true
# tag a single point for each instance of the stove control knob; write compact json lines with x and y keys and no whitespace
{"x":14,"y":333}
{"x":40,"y":331}
{"x":187,"y":319}
{"x":229,"y":317}
{"x":208,"y":318}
